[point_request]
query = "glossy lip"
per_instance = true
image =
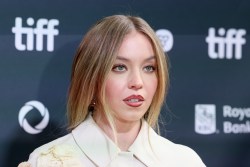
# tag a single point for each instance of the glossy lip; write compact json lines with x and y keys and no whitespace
{"x":134,"y":104}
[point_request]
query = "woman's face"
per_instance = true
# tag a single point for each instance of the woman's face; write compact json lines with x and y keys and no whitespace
{"x":132,"y":82}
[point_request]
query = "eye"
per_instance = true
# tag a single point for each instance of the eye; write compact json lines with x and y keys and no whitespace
{"x":119,"y":68}
{"x":149,"y":68}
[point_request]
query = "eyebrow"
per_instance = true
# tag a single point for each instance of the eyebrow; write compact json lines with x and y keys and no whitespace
{"x":125,"y":59}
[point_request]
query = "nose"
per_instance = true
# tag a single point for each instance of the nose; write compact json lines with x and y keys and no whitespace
{"x":135,"y":80}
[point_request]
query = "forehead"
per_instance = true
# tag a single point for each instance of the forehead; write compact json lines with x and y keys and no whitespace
{"x":136,"y":44}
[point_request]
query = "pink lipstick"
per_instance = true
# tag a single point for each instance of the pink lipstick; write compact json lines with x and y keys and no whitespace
{"x":134,"y":100}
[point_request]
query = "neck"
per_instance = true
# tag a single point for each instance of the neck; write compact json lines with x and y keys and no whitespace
{"x":126,"y":132}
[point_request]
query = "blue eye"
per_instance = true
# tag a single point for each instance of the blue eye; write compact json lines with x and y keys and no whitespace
{"x":119,"y":68}
{"x":149,"y":68}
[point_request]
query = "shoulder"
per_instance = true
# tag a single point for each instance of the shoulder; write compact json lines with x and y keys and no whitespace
{"x":61,"y":147}
{"x":177,"y":154}
{"x":59,"y":141}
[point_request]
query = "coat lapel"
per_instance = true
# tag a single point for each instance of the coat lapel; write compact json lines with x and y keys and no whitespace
{"x":142,"y":146}
{"x":93,"y":142}
{"x":101,"y":150}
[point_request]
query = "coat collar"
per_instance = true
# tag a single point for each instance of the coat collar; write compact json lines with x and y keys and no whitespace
{"x":101,"y":150}
{"x":143,"y":145}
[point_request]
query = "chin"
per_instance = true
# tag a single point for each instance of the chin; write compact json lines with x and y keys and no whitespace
{"x":130,"y":117}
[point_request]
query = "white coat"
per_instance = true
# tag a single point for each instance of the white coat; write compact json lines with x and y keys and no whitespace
{"x":88,"y":146}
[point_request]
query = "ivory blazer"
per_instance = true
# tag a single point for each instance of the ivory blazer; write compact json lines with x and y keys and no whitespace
{"x":88,"y":146}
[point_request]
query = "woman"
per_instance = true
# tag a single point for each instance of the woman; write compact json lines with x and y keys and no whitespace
{"x":118,"y":85}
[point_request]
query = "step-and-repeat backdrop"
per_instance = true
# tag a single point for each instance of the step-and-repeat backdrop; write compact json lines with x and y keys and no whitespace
{"x":208,"y":105}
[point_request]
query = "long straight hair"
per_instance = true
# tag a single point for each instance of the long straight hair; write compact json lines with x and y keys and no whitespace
{"x":94,"y":60}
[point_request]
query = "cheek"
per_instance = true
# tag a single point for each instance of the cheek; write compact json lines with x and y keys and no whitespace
{"x":152,"y":86}
{"x":113,"y":88}
{"x":108,"y":89}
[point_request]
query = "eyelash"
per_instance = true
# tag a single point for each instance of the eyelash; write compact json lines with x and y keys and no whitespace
{"x":152,"y":68}
{"x":115,"y":68}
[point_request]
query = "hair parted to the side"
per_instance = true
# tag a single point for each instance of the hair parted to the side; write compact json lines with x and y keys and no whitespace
{"x":94,"y":60}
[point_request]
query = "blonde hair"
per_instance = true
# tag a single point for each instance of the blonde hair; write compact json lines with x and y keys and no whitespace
{"x":94,"y":60}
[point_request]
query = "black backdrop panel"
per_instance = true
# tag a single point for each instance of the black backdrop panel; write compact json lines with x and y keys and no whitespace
{"x":207,"y":42}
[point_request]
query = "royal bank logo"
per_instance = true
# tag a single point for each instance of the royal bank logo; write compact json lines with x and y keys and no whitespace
{"x":33,"y":38}
{"x":29,"y":107}
{"x":166,"y":39}
{"x":205,"y":119}
{"x":233,"y":120}
{"x":226,"y":44}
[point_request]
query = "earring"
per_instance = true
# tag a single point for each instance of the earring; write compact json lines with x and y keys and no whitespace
{"x":91,"y":107}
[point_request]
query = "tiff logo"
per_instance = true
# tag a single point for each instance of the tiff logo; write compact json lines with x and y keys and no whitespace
{"x":25,"y":36}
{"x":227,"y":45}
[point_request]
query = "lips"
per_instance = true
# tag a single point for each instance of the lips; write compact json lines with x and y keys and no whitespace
{"x":134,"y":100}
